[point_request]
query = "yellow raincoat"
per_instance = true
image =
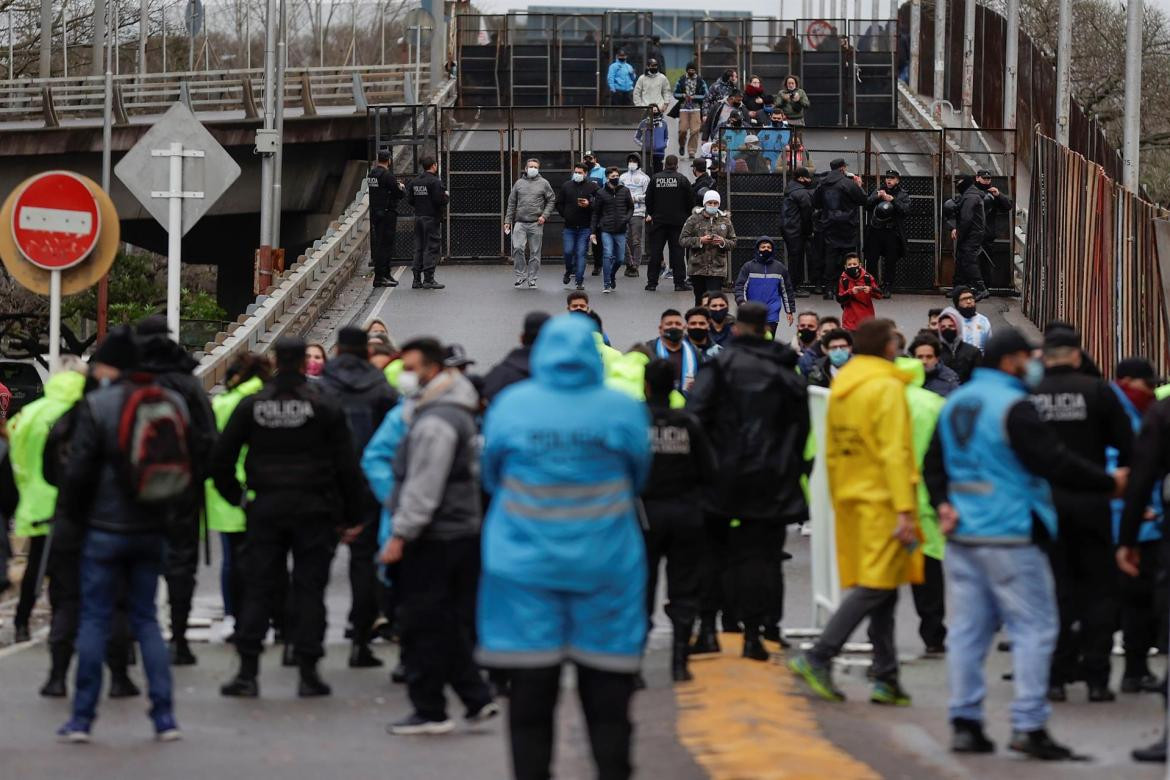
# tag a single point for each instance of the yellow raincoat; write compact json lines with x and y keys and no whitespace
{"x":872,"y":473}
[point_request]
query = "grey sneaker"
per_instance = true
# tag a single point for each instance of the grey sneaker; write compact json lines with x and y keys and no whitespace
{"x":531,"y":284}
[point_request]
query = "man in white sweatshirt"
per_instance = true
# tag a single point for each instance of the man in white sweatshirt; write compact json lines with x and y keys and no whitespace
{"x":653,"y":87}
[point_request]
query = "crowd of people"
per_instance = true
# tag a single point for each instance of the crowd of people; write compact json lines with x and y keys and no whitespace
{"x":503,"y":524}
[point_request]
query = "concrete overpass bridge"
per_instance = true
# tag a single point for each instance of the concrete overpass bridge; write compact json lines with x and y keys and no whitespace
{"x":57,"y":123}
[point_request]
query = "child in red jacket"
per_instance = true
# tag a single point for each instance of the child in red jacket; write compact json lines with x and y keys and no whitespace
{"x":856,"y":292}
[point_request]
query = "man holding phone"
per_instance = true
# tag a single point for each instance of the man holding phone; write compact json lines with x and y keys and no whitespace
{"x":575,"y":204}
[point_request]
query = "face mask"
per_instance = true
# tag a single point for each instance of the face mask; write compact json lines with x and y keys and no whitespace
{"x":613,"y":181}
{"x":1139,"y":397}
{"x":806,"y":336}
{"x":408,"y":383}
{"x":578,"y":177}
{"x":314,"y":368}
{"x":652,"y":71}
{"x":691,"y":75}
{"x":621,"y":59}
{"x":854,"y":272}
{"x":532,"y":172}
{"x":966,"y":311}
{"x":697,"y":334}
{"x":839,"y":356}
{"x":1034,"y":374}
{"x":983,"y":186}
{"x":673,"y":335}
{"x":632,"y":166}
{"x":948,"y":336}
{"x":711,"y":210}
{"x":718,"y":315}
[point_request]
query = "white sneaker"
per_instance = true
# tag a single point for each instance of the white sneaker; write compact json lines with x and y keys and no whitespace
{"x":518,"y":283}
{"x":531,"y":284}
{"x":483,"y":714}
{"x":416,"y":724}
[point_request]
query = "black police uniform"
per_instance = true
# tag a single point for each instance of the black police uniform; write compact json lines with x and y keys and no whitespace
{"x":304,"y":473}
{"x":796,"y":211}
{"x":993,"y":206}
{"x":385,"y":192}
{"x":1088,"y":417}
{"x":427,"y":196}
{"x":669,"y":201}
{"x":836,"y":199}
{"x":886,"y":236}
{"x":967,"y":215}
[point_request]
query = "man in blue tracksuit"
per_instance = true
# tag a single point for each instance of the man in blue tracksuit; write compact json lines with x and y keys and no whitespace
{"x":620,"y":79}
{"x":988,"y":471}
{"x":564,"y":564}
{"x":765,"y":279}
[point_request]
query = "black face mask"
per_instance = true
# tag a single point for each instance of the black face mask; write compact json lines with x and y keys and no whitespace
{"x":651,"y":71}
{"x":948,"y":336}
{"x":673,"y":335}
{"x":806,"y":336}
{"x":718,"y":315}
{"x":697,"y":335}
{"x":614,"y":182}
{"x":983,"y":186}
{"x":854,"y":272}
{"x":966,"y":311}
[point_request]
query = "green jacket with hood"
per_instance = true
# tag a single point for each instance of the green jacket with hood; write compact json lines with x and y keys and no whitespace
{"x":28,"y":432}
{"x":925,"y":407}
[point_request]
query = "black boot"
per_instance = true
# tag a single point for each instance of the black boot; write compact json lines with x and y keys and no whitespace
{"x":707,"y":642}
{"x":1152,"y":754}
{"x":398,"y":673}
{"x":121,"y":686}
{"x":430,"y":284}
{"x":181,"y":654}
{"x":417,"y":283}
{"x":753,"y":648}
{"x":1101,"y":693}
{"x":288,"y":656}
{"x":969,"y":737}
{"x":1038,"y":744}
{"x":361,"y":657}
{"x":245,"y":685}
{"x":60,"y":654}
{"x":311,"y":683}
{"x":680,"y":646}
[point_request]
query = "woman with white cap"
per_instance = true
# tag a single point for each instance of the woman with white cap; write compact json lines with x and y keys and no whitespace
{"x":708,"y":236}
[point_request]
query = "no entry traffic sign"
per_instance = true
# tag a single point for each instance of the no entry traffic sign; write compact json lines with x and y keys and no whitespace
{"x":55,"y":220}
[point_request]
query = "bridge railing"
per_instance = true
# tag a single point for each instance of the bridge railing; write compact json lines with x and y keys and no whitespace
{"x":239,"y":93}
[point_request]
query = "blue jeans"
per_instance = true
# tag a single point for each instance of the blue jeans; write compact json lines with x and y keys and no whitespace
{"x":993,"y":584}
{"x":576,"y":242}
{"x":613,"y":254}
{"x":106,"y":560}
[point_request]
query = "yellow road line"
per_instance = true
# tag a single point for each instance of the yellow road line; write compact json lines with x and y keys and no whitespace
{"x":746,"y":720}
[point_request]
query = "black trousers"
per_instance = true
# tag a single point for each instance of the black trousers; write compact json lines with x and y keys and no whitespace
{"x":272,"y":535}
{"x":883,"y":246}
{"x":1143,"y":610}
{"x":794,"y":247}
{"x":437,"y":583}
{"x":833,"y":262}
{"x":930,"y":603}
{"x":711,"y":598}
{"x":967,"y":265}
{"x":702,"y":284}
{"x":675,"y":533}
{"x":383,"y":225}
{"x":663,"y":236}
{"x":621,"y":98}
{"x":363,"y":581}
{"x":426,"y":246}
{"x":28,"y":583}
{"x":182,"y":562}
{"x":65,"y":602}
{"x":753,"y":579}
{"x":605,"y":700}
{"x":1086,"y":578}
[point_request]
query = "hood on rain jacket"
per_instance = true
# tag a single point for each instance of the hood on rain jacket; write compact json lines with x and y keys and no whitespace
{"x":28,"y":432}
{"x":222,"y":515}
{"x":873,"y":476}
{"x":754,"y":407}
{"x":712,"y":259}
{"x":565,"y":459}
{"x":766,"y":280}
{"x":925,"y":407}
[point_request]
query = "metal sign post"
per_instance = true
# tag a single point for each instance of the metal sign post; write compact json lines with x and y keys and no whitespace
{"x":175,"y":196}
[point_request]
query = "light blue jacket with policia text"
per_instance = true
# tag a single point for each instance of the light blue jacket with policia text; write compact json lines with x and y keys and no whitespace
{"x":996,"y":497}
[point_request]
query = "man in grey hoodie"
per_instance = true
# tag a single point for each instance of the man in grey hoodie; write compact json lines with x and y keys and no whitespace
{"x":530,"y":204}
{"x":436,"y":510}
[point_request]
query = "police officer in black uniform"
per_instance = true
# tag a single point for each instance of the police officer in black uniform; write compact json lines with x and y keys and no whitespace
{"x":796,"y":211}
{"x":836,"y":199}
{"x":427,"y":196}
{"x":302,"y":468}
{"x":965,"y":216}
{"x":994,"y":204}
{"x":669,"y":200}
{"x":888,"y":207}
{"x":1087,"y":415}
{"x":385,"y":192}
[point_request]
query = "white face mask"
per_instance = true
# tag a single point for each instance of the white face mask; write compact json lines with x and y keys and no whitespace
{"x":578,"y":177}
{"x":712,"y":209}
{"x":533,"y":171}
{"x":633,"y":166}
{"x":408,"y":383}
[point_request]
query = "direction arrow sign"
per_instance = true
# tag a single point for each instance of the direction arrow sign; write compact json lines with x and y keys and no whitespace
{"x":55,"y":220}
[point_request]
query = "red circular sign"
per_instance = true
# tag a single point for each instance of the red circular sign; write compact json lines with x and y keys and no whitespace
{"x":55,"y":221}
{"x":817,"y":32}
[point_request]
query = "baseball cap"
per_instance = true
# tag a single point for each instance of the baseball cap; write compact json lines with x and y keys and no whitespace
{"x":892,"y":174}
{"x":457,"y":357}
{"x":1004,"y":342}
{"x":983,"y":173}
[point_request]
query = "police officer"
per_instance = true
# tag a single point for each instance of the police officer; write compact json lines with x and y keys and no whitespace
{"x":669,"y":201}
{"x":888,"y":207}
{"x":994,"y":204}
{"x":1086,"y":414}
{"x":796,"y":211}
{"x":967,"y":219}
{"x":303,"y":472}
{"x":385,"y":192}
{"x":428,"y":198}
{"x":837,"y":199}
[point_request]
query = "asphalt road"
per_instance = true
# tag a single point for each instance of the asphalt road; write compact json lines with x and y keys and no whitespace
{"x":738,"y":721}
